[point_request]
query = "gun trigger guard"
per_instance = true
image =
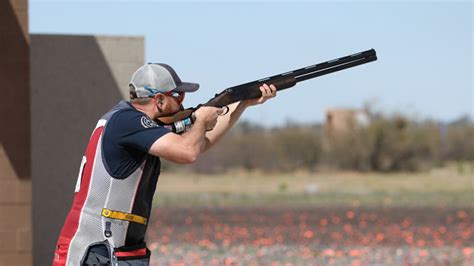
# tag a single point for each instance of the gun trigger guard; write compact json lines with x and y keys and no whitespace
{"x":226,"y":108}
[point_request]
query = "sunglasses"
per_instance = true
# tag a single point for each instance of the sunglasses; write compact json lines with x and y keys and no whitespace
{"x":177,"y":95}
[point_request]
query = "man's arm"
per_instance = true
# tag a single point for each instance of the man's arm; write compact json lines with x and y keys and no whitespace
{"x":186,"y":147}
{"x":224,"y":123}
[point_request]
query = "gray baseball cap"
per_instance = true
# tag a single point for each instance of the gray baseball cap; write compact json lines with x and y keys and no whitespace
{"x":151,"y":79}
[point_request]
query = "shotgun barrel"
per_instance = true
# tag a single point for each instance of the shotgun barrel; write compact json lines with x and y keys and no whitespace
{"x":289,"y":79}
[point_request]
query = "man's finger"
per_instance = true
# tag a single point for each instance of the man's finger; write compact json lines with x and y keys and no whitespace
{"x":267,"y":89}
{"x":271,"y":91}
{"x":273,"y":88}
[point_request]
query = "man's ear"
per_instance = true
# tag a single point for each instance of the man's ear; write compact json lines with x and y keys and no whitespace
{"x":159,"y":99}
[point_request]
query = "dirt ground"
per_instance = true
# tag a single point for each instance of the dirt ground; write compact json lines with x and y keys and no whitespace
{"x":311,"y":236}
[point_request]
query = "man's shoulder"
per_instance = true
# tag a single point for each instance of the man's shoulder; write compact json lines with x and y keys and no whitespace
{"x":122,"y":108}
{"x":126,"y":114}
{"x":133,"y":116}
{"x":129,"y":119}
{"x":122,"y":113}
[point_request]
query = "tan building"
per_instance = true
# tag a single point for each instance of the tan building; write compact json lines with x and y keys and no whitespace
{"x":344,"y":120}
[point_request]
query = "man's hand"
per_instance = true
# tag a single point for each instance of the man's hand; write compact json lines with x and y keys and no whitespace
{"x":208,"y":115}
{"x":267,"y":93}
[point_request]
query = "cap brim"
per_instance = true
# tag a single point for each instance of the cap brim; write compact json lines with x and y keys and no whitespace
{"x":187,"y":87}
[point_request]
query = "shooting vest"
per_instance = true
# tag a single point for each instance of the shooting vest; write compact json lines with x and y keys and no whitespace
{"x":107,"y":207}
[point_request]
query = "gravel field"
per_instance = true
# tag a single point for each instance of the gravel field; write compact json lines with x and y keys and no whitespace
{"x":311,"y":236}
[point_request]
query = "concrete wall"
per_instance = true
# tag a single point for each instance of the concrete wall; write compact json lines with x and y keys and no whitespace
{"x":75,"y":80}
{"x":15,"y":181}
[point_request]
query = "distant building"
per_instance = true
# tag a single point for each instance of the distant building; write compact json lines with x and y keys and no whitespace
{"x":344,"y":120}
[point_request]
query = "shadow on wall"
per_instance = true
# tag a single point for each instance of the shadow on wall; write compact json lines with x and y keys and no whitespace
{"x":15,"y":100}
{"x":72,"y":87}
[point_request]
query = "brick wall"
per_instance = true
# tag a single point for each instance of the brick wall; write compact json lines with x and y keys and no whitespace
{"x":15,"y":210}
{"x":32,"y":124}
{"x":15,"y":147}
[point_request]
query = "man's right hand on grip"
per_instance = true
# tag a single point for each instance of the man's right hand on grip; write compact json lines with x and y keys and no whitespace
{"x":208,"y":115}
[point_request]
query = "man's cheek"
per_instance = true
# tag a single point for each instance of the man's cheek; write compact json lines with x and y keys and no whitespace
{"x":176,"y":108}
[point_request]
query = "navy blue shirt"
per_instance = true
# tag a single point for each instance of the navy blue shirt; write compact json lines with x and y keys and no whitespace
{"x":127,"y":139}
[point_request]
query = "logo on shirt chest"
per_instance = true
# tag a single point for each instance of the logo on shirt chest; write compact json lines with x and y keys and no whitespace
{"x":147,"y":122}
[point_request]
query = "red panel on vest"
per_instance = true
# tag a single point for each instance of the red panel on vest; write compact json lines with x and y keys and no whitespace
{"x":72,"y":221}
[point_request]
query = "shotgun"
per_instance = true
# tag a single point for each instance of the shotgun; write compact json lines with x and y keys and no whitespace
{"x":183,"y":120}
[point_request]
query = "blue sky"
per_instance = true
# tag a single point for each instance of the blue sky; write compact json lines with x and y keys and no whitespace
{"x":425,"y":66}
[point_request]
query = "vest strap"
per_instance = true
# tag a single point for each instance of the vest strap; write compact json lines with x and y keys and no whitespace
{"x":124,"y":216}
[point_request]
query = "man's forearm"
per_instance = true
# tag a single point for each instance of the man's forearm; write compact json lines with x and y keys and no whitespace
{"x":224,"y":123}
{"x":196,"y":137}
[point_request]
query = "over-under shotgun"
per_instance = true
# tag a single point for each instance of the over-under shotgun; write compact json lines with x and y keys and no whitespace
{"x":183,"y":120}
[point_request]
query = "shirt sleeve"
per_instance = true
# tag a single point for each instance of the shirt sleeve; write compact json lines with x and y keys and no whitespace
{"x":134,"y":129}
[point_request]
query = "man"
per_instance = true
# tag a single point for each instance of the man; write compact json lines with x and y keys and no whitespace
{"x":119,"y":172}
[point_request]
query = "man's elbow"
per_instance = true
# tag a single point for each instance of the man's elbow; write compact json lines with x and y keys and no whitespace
{"x":190,"y":159}
{"x":191,"y":156}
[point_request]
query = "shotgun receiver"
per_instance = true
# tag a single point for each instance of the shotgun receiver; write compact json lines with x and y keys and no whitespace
{"x":184,"y":119}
